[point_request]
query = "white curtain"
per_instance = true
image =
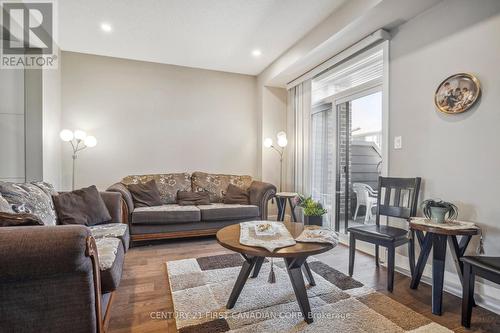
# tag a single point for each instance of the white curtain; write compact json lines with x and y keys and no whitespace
{"x":298,"y":127}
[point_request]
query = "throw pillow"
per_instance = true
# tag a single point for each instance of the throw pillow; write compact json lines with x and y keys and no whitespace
{"x":236,"y":195}
{"x":188,"y":198}
{"x":84,"y":206}
{"x":29,"y":198}
{"x":18,"y":220}
{"x":5,"y":206}
{"x":145,"y":194}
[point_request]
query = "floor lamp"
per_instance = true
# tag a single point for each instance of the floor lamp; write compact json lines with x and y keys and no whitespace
{"x":79,"y":140}
{"x":282,"y":142}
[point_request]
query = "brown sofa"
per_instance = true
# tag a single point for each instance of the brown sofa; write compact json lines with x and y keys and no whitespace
{"x":173,"y":221}
{"x":61,"y":278}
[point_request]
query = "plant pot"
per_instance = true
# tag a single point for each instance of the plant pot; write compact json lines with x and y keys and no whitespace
{"x":438,"y":214}
{"x":313,"y":220}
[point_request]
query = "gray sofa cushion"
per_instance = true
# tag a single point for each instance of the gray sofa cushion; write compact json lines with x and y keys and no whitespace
{"x":112,"y":230}
{"x":221,"y":212}
{"x":111,"y":256}
{"x":166,"y":214}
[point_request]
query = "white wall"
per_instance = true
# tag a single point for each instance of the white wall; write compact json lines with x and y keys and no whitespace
{"x":12,"y":165}
{"x":151,"y":118}
{"x":456,"y":155}
{"x":51,"y":91}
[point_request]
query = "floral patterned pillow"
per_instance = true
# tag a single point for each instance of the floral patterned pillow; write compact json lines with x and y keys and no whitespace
{"x":5,"y":205}
{"x":216,"y":184}
{"x":29,"y":198}
{"x":168,"y":184}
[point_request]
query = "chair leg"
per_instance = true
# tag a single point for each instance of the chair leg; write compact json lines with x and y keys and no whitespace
{"x":352,"y":252}
{"x":356,"y":211}
{"x":467,"y":295}
{"x":376,"y":256}
{"x":391,"y":253}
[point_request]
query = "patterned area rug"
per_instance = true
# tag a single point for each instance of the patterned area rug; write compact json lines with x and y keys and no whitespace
{"x":201,"y":287}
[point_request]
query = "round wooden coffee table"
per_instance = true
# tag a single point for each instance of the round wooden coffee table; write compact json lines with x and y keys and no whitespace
{"x":294,"y":256}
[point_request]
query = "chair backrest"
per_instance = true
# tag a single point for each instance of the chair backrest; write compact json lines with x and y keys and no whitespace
{"x":397,"y":197}
{"x":362,"y":191}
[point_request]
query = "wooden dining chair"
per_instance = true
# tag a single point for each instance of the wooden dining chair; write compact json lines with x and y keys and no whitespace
{"x":396,"y":198}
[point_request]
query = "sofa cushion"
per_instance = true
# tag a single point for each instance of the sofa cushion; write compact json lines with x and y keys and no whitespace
{"x":145,"y":194}
{"x":111,"y":256}
{"x":112,"y":230}
{"x":166,"y":214}
{"x":19,"y":220}
{"x":29,"y":198}
{"x":221,"y":212}
{"x":168,"y":184}
{"x":84,"y":206}
{"x":190,"y":198}
{"x":216,"y":184}
{"x":236,"y":195}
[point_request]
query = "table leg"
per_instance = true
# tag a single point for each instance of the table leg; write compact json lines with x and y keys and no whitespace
{"x":257,"y":266}
{"x":457,"y":252}
{"x":281,"y":202}
{"x":293,"y":267}
{"x":292,"y":210}
{"x":425,"y":249}
{"x":308,"y":274}
{"x":246,"y":268}
{"x":438,"y":263}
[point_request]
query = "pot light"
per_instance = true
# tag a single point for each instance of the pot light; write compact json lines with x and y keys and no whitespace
{"x":106,"y":27}
{"x":256,"y":53}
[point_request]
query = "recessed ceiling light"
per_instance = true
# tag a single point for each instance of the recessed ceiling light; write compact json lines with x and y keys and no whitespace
{"x":256,"y":53}
{"x":106,"y":27}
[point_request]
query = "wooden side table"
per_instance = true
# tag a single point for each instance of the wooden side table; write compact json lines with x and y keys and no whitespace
{"x":436,"y":238}
{"x":281,"y":199}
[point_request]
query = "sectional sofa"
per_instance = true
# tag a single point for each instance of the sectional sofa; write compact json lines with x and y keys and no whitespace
{"x":171,"y":220}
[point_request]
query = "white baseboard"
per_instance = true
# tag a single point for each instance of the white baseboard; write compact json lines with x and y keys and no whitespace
{"x":485,"y":295}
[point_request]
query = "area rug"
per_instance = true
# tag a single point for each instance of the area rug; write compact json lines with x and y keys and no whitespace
{"x":201,"y":287}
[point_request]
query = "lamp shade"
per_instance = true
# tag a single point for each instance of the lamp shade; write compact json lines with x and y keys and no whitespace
{"x":268,"y":142}
{"x":90,"y":141}
{"x":66,"y":135}
{"x":282,"y":142}
{"x":80,"y":135}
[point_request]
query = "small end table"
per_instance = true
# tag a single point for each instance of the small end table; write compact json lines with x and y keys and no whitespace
{"x":281,"y":199}
{"x":436,"y":238}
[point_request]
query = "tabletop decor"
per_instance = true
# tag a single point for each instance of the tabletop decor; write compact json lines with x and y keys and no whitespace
{"x":280,"y":237}
{"x":313,"y":210}
{"x":457,"y":93}
{"x":79,"y":141}
{"x":282,"y":143}
{"x":436,"y":210}
{"x":316,"y":234}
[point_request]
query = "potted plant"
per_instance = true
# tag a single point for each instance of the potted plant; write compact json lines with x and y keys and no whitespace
{"x":436,"y":210}
{"x":313,"y":211}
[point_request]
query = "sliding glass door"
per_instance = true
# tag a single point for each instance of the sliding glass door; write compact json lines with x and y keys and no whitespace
{"x":359,"y":158}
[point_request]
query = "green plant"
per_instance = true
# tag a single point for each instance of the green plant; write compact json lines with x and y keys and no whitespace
{"x":452,"y":210}
{"x":310,"y":207}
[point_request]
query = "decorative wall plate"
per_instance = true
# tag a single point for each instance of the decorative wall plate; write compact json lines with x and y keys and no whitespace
{"x":457,"y":93}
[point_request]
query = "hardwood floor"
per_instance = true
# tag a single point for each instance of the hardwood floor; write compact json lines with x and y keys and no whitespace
{"x":144,"y":291}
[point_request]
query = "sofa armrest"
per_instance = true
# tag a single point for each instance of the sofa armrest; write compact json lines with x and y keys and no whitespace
{"x":42,"y":270}
{"x":114,"y":203}
{"x":260,"y":193}
{"x":127,"y":197}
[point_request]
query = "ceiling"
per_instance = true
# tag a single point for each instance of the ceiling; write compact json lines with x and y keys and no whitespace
{"x":211,"y":34}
